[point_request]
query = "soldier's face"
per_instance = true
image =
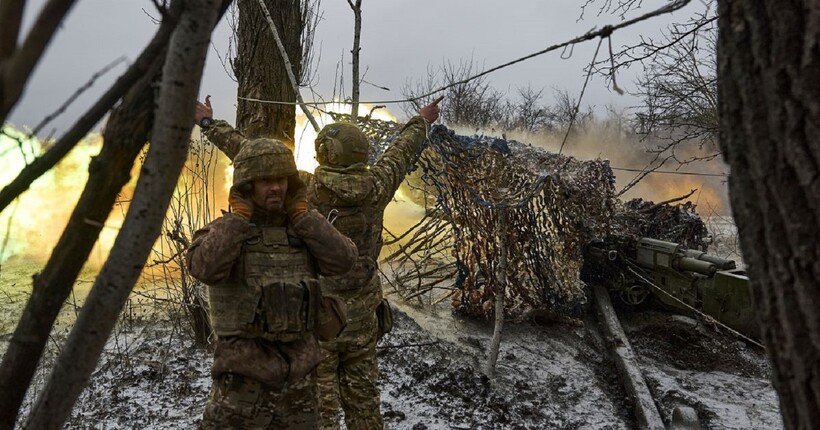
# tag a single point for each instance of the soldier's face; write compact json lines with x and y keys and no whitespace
{"x":269,"y":192}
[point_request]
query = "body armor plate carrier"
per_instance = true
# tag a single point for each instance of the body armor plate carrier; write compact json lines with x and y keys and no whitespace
{"x":278,"y":296}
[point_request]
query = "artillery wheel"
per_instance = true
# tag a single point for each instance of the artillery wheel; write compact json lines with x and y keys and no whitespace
{"x":634,"y":294}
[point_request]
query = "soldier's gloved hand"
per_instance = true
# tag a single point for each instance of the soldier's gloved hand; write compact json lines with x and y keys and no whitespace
{"x":296,"y":201}
{"x":240,"y":204}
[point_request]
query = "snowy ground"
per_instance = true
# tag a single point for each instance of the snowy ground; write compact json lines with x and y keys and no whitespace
{"x":548,"y":375}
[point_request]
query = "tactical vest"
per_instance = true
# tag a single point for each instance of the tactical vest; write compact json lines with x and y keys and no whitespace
{"x":363,"y":225}
{"x":278,"y":295}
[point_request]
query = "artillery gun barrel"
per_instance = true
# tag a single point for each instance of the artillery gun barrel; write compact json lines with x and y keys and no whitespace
{"x":654,"y":253}
{"x":690,"y":264}
{"x":721,"y":263}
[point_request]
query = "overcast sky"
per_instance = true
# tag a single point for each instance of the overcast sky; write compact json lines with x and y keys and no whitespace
{"x":400,"y":39}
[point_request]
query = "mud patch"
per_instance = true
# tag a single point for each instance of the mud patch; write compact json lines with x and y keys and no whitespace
{"x":546,"y":377}
{"x":687,"y":344}
{"x":689,"y":364}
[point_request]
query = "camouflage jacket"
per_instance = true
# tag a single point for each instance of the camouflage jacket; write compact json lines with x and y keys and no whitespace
{"x":367,"y":189}
{"x":213,"y":258}
{"x":225,"y":137}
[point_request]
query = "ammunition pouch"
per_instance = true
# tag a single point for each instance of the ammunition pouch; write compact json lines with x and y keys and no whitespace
{"x":384,"y":317}
{"x":362,"y":225}
{"x":332,"y":319}
{"x":291,"y":308}
{"x":232,"y":308}
{"x":355,"y":225}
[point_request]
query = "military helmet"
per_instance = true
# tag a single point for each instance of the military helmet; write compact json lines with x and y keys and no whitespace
{"x":263,"y":157}
{"x":341,"y":144}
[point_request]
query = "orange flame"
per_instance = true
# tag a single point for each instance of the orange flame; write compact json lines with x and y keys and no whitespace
{"x":31,"y":226}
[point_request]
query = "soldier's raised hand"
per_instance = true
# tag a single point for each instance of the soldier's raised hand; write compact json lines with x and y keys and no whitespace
{"x":431,"y":111}
{"x":203,"y":110}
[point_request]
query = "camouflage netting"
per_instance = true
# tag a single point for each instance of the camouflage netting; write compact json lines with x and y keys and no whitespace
{"x":547,"y":206}
{"x":681,"y":224}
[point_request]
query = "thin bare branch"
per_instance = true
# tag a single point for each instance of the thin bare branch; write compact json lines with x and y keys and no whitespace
{"x":76,"y":94}
{"x":93,"y":115}
{"x":357,"y":34}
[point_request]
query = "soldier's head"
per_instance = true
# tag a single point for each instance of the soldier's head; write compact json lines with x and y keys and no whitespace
{"x":262,"y":170}
{"x":341,"y":145}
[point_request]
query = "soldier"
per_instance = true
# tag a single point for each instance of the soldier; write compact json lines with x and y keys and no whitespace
{"x":356,"y":194}
{"x":261,"y":262}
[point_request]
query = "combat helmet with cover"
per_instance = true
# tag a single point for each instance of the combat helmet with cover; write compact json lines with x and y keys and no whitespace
{"x":263,"y":157}
{"x":341,"y":145}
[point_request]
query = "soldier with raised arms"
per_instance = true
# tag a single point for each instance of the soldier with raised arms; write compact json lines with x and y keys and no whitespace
{"x":344,"y":187}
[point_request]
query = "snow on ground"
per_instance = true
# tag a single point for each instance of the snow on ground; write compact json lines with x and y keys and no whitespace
{"x":555,"y":375}
{"x":686,"y":363}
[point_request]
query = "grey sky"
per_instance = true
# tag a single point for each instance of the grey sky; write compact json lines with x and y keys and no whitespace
{"x":400,"y":38}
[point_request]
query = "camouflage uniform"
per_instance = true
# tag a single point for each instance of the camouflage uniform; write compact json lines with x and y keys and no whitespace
{"x":348,"y":374}
{"x":265,"y":301}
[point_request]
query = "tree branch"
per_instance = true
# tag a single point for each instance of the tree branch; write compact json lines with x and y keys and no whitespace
{"x":17,"y":69}
{"x":76,"y":94}
{"x":45,"y":162}
{"x":11,"y":14}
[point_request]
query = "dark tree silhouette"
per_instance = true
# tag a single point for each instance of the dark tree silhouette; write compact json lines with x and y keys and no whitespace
{"x":769,"y":109}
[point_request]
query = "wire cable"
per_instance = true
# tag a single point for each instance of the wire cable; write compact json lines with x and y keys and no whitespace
{"x":606,"y":31}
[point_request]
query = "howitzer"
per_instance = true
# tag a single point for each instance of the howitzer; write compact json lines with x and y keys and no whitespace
{"x":686,"y":280}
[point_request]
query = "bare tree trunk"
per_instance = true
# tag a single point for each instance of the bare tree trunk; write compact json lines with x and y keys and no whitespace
{"x":170,"y":137}
{"x":126,"y":133}
{"x":768,"y":66}
{"x":495,"y":345}
{"x":17,"y":67}
{"x":260,"y":69}
{"x":357,"y":33}
{"x":288,"y":66}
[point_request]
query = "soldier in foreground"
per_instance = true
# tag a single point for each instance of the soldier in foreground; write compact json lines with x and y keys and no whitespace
{"x":261,"y":263}
{"x":344,"y":187}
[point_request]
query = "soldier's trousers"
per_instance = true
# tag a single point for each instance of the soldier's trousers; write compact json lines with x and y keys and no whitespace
{"x":237,"y":402}
{"x":348,"y":377}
